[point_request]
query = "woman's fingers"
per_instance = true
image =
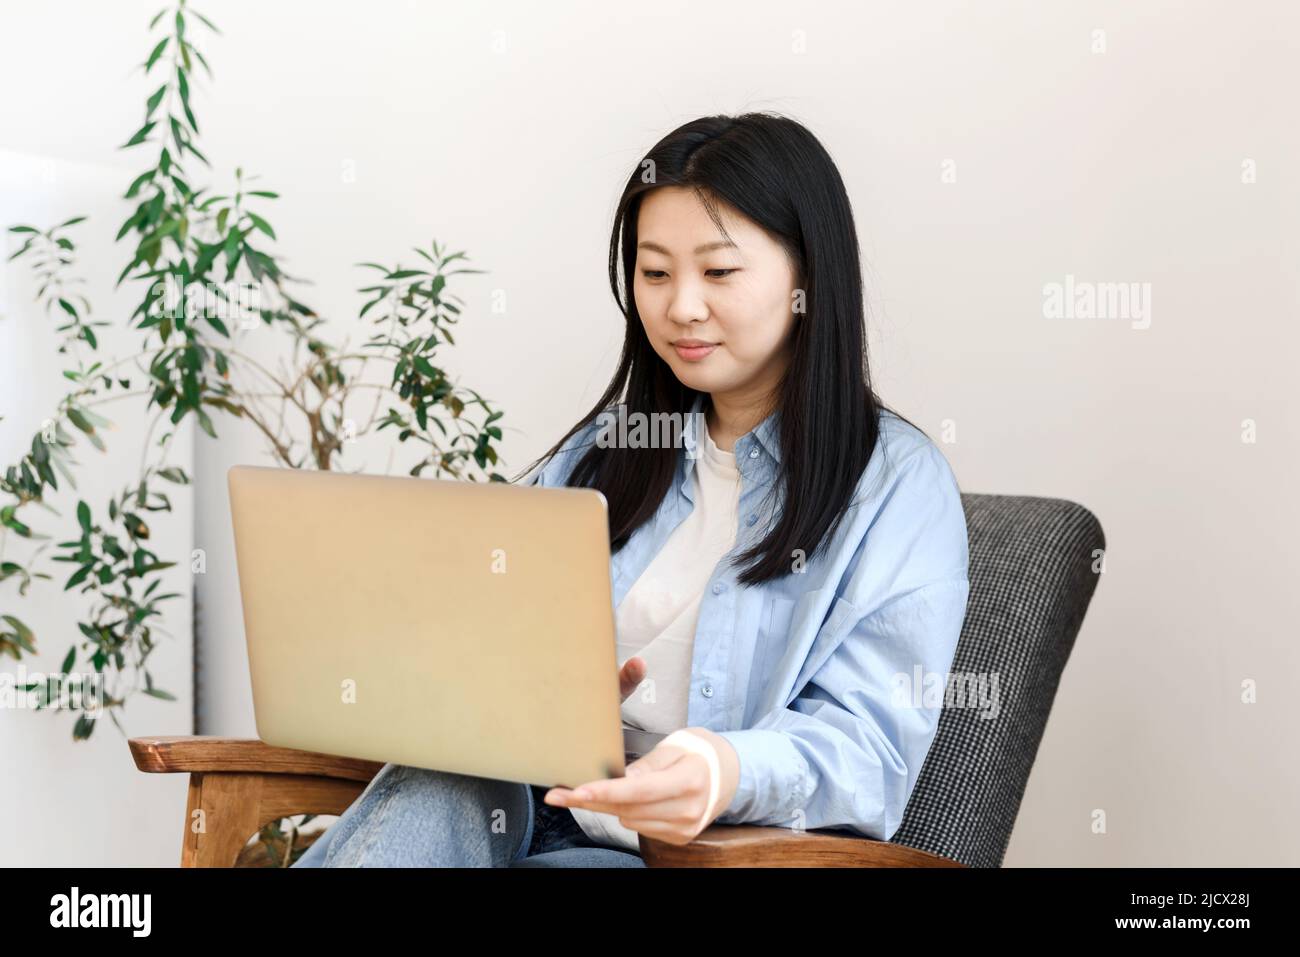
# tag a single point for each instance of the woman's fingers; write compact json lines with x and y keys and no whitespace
{"x":657,"y":795}
{"x":630,"y":675}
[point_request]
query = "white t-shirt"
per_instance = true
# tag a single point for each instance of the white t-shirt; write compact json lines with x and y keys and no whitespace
{"x":657,"y":617}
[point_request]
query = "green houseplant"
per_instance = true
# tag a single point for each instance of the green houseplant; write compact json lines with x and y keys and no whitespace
{"x":205,"y":267}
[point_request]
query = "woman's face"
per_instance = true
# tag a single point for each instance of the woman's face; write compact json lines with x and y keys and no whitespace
{"x":693,"y":286}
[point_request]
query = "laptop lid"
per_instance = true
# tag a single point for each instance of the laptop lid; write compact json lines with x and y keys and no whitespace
{"x":458,"y":626}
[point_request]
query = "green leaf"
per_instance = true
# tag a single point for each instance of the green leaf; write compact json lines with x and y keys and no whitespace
{"x":21,"y":632}
{"x":84,"y":728}
{"x":202,"y":59}
{"x":22,"y":229}
{"x":194,"y":149}
{"x":159,"y":693}
{"x":25,"y":246}
{"x":69,"y":660}
{"x":135,"y":188}
{"x":126,"y":228}
{"x":154,"y":101}
{"x":207,"y":255}
{"x":83,"y":516}
{"x":80,"y":421}
{"x":95,"y":418}
{"x":206,"y":22}
{"x":232,"y":264}
{"x":140,"y":134}
{"x":163,"y":231}
{"x":71,"y":222}
{"x":265,"y":193}
{"x":78,"y":577}
{"x":157,"y":52}
{"x":233,"y":239}
{"x":262,"y":224}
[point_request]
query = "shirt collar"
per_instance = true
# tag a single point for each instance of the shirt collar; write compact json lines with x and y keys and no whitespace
{"x":767,"y":433}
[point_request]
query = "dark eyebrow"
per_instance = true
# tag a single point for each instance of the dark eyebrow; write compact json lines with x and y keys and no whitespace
{"x":699,"y":250}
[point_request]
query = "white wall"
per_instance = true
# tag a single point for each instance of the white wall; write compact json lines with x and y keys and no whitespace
{"x":1122,"y":166}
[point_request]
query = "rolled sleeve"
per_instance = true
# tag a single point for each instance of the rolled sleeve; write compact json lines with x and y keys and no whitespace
{"x":771,"y":770}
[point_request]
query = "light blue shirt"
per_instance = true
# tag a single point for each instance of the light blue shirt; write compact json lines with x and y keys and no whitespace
{"x":827,"y":682}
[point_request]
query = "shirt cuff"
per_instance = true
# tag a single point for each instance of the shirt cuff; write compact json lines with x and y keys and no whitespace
{"x":774,"y":777}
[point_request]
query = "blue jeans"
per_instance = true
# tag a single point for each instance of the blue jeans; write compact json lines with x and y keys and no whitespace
{"x":413,"y":817}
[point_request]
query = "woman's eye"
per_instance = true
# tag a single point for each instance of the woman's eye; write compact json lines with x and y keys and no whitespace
{"x":659,"y":273}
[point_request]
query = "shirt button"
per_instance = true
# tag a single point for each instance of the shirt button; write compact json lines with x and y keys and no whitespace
{"x":719,"y":588}
{"x":751,"y":520}
{"x":753,"y":453}
{"x":707,"y":691}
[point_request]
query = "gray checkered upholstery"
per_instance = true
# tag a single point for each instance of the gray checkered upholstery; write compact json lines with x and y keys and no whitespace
{"x":1031,"y":578}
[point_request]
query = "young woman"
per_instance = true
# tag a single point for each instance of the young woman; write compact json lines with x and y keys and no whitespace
{"x":788,"y":572}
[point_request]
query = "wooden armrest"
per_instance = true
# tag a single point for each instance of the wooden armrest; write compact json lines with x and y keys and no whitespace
{"x":245,"y":755}
{"x":237,"y":785}
{"x":727,"y":845}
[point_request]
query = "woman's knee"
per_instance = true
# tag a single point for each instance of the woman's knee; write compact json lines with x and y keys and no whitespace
{"x":417,"y":782}
{"x":411,"y":806}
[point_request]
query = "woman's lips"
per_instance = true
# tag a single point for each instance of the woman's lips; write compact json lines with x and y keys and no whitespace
{"x":694,"y":353}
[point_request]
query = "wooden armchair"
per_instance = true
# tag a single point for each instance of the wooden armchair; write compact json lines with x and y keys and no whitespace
{"x":1033,"y":570}
{"x":239,"y":784}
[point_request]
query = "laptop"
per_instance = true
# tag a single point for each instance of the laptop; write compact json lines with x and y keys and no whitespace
{"x":456,"y":626}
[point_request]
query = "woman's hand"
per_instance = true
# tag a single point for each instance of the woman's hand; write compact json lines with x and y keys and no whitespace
{"x":630,"y":676}
{"x":665,"y":793}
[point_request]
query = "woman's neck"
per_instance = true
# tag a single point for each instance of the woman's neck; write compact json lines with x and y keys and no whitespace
{"x":728,"y":419}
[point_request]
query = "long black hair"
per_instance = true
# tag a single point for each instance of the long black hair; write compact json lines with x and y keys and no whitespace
{"x":774,"y":171}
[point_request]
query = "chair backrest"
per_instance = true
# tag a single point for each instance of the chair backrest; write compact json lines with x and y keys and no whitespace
{"x":1032,"y":576}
